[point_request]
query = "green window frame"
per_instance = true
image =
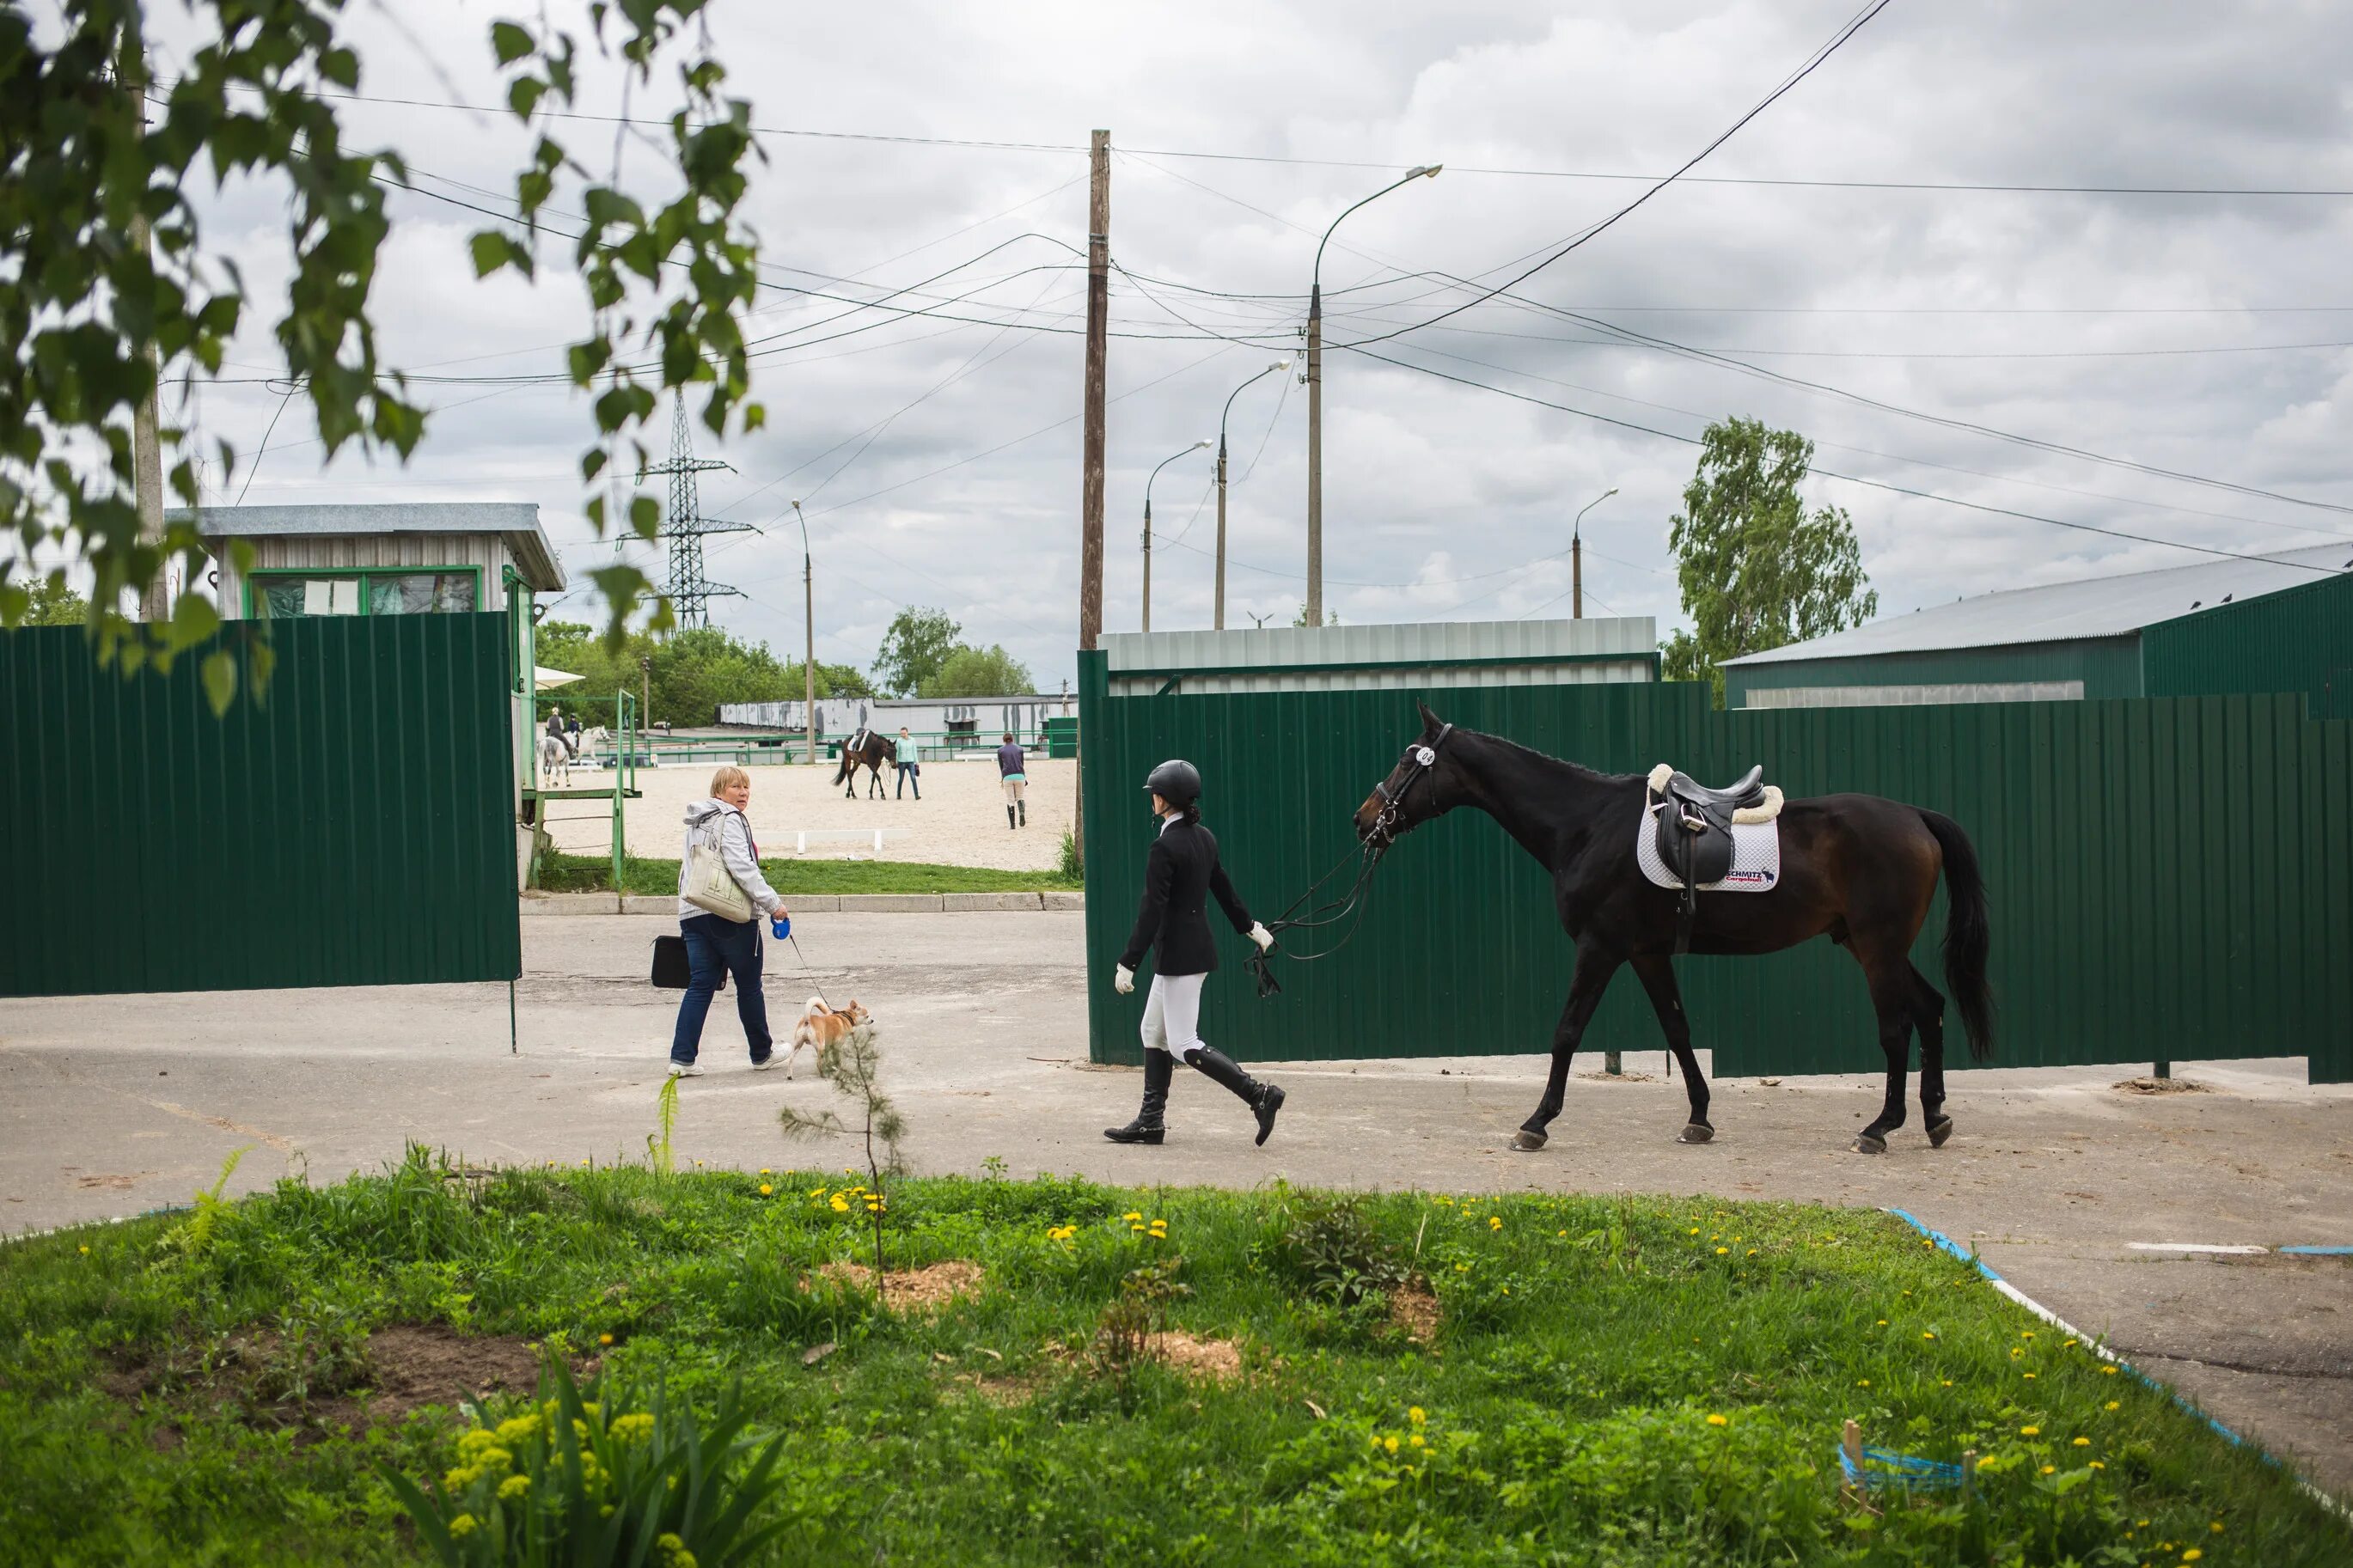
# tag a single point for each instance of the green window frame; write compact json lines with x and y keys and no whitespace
{"x":256,"y":606}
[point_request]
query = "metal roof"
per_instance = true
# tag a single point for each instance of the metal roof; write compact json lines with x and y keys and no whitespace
{"x":2071,"y":611}
{"x":1385,"y":657}
{"x":516,"y":522}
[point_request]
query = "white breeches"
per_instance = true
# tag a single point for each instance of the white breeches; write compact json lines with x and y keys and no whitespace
{"x":1172,"y":1014}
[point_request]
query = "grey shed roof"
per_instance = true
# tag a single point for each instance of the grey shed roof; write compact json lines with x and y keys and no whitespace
{"x":2070,"y":612}
{"x":516,"y":522}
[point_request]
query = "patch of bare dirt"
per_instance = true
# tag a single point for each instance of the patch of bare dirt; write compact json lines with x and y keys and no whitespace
{"x":1009,"y":1392}
{"x":400,"y":1368}
{"x":1213,"y":1360}
{"x":917,"y":1291}
{"x":2161,"y":1086}
{"x":1414,"y":1308}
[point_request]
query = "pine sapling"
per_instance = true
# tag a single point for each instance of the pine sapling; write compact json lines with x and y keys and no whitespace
{"x":853,"y":1065}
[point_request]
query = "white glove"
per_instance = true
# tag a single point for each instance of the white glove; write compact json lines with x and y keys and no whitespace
{"x":1260,"y":935}
{"x":1123,"y":979}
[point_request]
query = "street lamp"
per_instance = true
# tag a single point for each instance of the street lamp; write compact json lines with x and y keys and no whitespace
{"x":1220,"y":622}
{"x":1576,"y":556}
{"x":1196,"y":446}
{"x":809,"y":626}
{"x":1315,"y":403}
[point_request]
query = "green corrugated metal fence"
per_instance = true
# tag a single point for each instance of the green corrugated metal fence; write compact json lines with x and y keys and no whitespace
{"x":2170,"y":879}
{"x":355,"y":826}
{"x":2294,"y":640}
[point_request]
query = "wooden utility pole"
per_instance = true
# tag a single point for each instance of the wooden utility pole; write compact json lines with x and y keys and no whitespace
{"x":1091,"y":476}
{"x":146,"y":426}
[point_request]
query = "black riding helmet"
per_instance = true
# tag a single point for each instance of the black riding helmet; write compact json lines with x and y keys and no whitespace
{"x":1177,"y":781}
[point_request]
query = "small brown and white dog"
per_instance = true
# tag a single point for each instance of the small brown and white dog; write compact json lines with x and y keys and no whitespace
{"x":821,"y":1027}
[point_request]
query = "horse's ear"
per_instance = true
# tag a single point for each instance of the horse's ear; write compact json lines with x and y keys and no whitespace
{"x":1430,"y":722}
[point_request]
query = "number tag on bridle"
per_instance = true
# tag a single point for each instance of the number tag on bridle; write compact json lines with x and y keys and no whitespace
{"x":1425,"y":756}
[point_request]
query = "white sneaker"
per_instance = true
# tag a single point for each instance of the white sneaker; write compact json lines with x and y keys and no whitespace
{"x":685,"y":1070}
{"x":763,"y":1067}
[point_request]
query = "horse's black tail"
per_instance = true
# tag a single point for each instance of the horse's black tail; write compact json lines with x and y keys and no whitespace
{"x":842,"y":771}
{"x":1967,"y":932}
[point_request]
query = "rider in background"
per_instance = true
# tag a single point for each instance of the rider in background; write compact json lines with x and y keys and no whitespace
{"x":1180,"y":875}
{"x":1009,"y":759}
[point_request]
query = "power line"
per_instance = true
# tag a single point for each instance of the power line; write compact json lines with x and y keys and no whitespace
{"x":1851,"y":478}
{"x":1593,"y":231}
{"x":996,"y":145}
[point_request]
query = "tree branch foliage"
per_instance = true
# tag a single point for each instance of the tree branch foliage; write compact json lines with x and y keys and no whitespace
{"x":90,"y":150}
{"x":1757,"y":569}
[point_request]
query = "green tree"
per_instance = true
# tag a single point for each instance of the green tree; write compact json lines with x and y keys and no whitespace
{"x":915,"y":649}
{"x":1331,"y":617}
{"x":693,"y":672}
{"x":980,"y":672}
{"x":54,"y":604}
{"x":1757,"y":569}
{"x":95,"y":157}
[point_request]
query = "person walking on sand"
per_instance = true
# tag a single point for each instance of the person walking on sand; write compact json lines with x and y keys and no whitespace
{"x":715,"y":943}
{"x":911,"y":766}
{"x":1017,"y":784}
{"x":1180,"y":875}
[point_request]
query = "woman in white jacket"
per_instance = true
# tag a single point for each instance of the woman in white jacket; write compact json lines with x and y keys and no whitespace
{"x":715,"y":943}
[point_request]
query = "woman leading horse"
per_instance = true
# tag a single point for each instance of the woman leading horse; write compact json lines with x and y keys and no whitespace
{"x":1856,"y":867}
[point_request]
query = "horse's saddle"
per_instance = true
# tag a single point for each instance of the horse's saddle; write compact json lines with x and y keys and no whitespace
{"x":1695,"y":830}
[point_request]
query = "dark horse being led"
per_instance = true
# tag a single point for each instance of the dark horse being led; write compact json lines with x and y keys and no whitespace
{"x":1643,"y":868}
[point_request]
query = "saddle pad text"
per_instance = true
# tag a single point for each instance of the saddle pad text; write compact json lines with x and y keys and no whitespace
{"x":1756,"y":858}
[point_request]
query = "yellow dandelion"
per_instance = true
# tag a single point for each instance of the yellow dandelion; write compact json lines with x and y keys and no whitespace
{"x":2109,"y":1371}
{"x":1137,"y":1229}
{"x":2114,"y":1405}
{"x":1695,"y":1230}
{"x":1416,"y":1440}
{"x":1925,"y":1335}
{"x":1859,"y":1383}
{"x":839,"y":1205}
{"x":765,"y":1189}
{"x":2026,"y":1333}
{"x":1495,"y":1222}
{"x":2050,"y":1469}
{"x":1463,"y":1269}
{"x":1752,"y":1252}
{"x":1722,"y":1250}
{"x":1560,"y":1233}
{"x":1131,"y":1215}
{"x":1417,"y":1416}
{"x":1718,"y":1421}
{"x":2015,"y":1353}
{"x":2192,"y":1556}
{"x":603,"y":1339}
{"x":85,"y":1252}
{"x":2068,"y":1346}
{"x":2030,"y":1377}
{"x":1881,"y":1323}
{"x":1390,"y":1444}
{"x":2216,"y":1527}
{"x":2097,"y":1465}
{"x":2030,"y":1431}
{"x":2083,"y":1442}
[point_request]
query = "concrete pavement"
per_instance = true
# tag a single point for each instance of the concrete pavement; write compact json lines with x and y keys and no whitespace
{"x":112,"y":1105}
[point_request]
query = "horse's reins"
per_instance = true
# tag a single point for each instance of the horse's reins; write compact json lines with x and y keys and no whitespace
{"x":1352,"y":905}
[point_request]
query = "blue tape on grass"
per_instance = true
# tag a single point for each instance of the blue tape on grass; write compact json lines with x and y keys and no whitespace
{"x":1948,"y":1245}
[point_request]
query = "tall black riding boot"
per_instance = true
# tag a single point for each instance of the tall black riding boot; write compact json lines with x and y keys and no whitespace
{"x":1009,"y":823}
{"x":1025,"y":822}
{"x":1263,"y":1098}
{"x":1159,"y":1067}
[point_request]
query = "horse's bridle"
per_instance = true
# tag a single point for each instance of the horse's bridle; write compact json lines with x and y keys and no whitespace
{"x":1385,"y":825}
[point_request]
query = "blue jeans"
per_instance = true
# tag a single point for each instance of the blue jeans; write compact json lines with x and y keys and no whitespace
{"x":713,"y":945}
{"x":908,"y":771}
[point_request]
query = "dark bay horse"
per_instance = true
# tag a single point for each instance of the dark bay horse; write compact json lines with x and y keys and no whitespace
{"x":1856,"y":867}
{"x":872,"y":750}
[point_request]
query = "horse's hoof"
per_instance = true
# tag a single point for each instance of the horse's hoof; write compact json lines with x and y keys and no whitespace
{"x":1864,"y":1143}
{"x":1696,"y":1133}
{"x":1938,"y":1131}
{"x":1528,"y":1142}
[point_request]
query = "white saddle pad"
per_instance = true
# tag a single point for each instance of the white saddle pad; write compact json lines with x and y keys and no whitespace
{"x":1756,"y":857}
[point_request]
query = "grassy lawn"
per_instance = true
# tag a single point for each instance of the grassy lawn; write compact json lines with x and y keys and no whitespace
{"x":1646,"y":1382}
{"x":593,"y":874}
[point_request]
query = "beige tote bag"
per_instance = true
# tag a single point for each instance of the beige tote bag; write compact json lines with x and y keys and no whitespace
{"x":709,"y":885}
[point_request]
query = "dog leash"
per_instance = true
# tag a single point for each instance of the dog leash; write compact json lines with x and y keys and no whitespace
{"x":807,"y":971}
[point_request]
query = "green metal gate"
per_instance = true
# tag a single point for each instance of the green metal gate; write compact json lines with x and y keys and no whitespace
{"x":2171,"y":877}
{"x":353,"y":826}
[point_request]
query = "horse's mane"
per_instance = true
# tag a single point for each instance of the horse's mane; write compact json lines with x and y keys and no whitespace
{"x":1584,"y":774}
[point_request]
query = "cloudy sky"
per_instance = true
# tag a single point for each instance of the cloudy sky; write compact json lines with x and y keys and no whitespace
{"x":1953,"y":336}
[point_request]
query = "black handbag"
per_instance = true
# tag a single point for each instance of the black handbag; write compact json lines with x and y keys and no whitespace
{"x":672,"y":970}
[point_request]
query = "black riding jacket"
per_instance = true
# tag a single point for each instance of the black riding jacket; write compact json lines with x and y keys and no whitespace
{"x":1172,"y":922}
